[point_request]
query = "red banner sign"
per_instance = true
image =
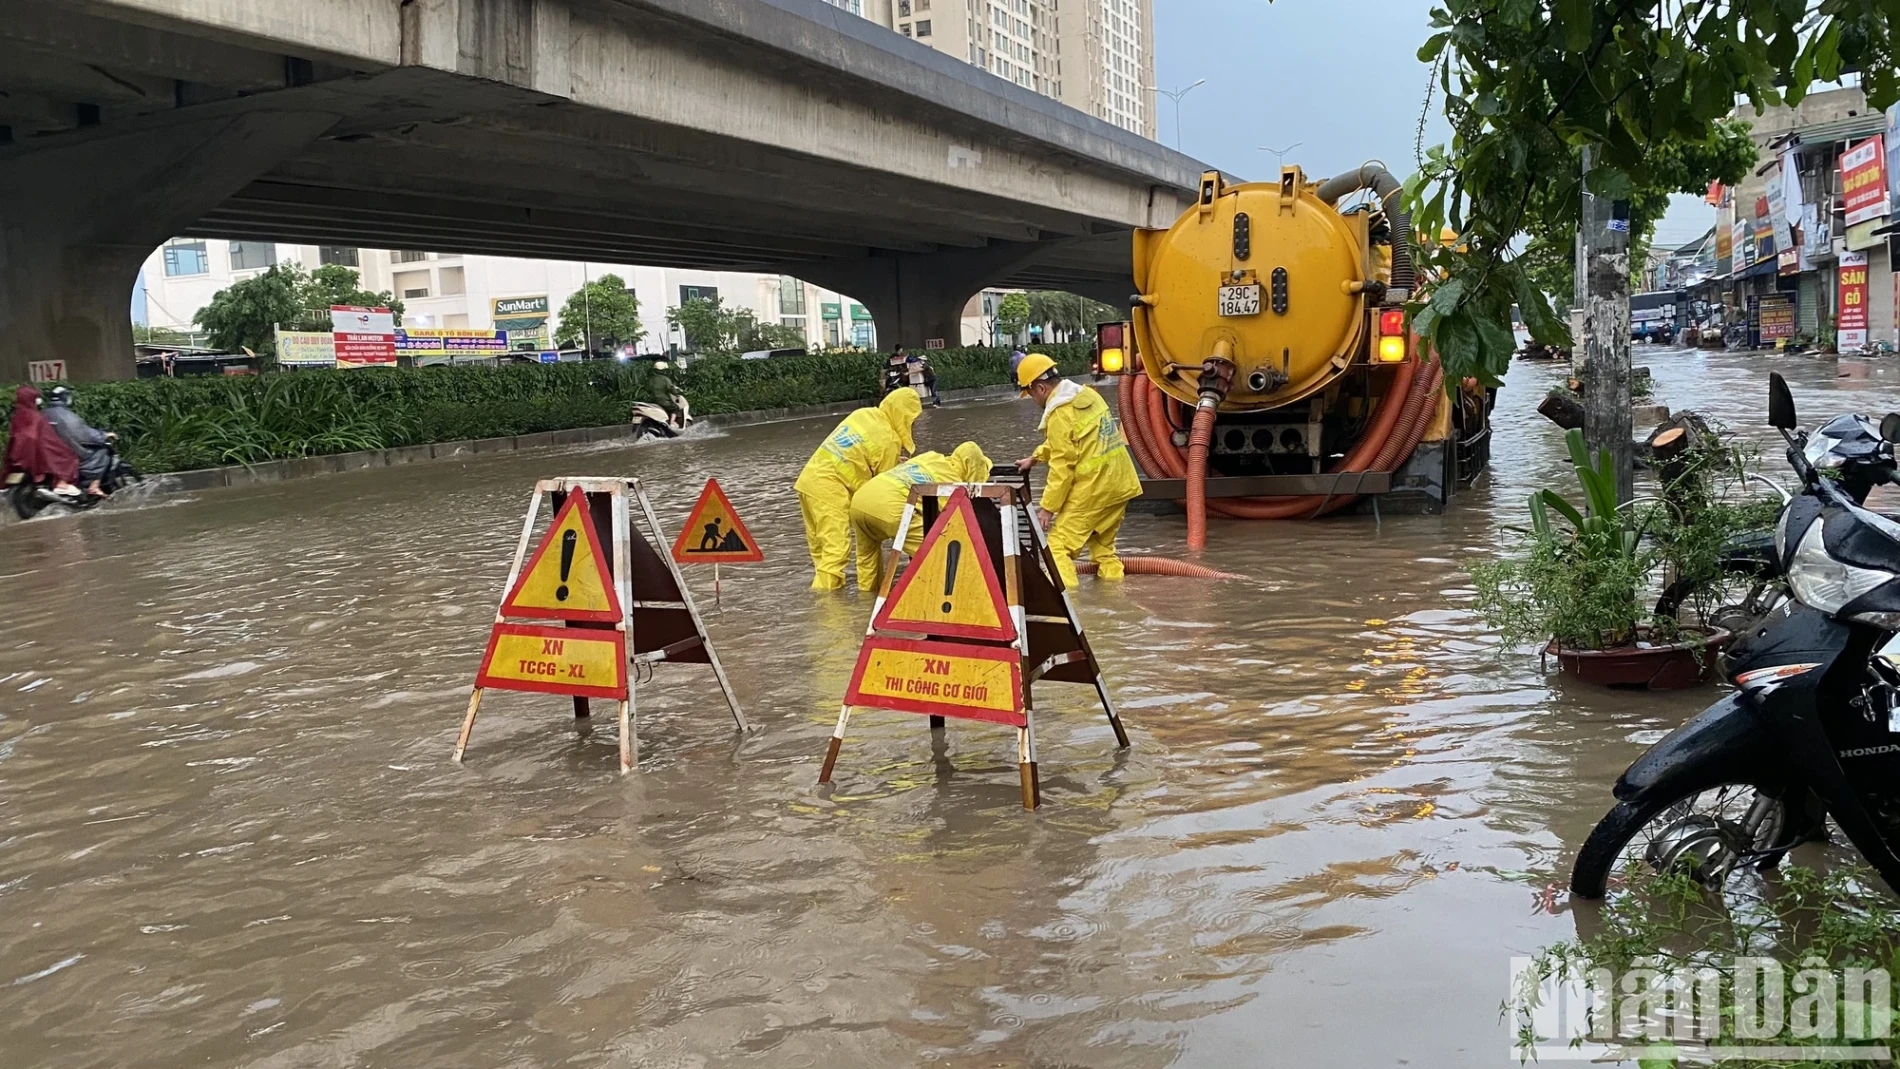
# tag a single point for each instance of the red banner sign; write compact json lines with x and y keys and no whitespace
{"x":1851,"y":328}
{"x":1864,"y":181}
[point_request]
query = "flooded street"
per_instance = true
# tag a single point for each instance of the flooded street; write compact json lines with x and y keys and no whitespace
{"x":231,"y":834}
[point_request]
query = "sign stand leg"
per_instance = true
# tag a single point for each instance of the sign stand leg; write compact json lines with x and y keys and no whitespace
{"x":1068,"y":606}
{"x":1026,"y":756}
{"x":837,"y":740}
{"x":717,"y":607}
{"x":629,"y":744}
{"x":468,"y":723}
{"x":581,"y":711}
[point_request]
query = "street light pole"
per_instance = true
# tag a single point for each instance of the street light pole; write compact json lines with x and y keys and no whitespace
{"x":1279,"y":154}
{"x":1176,"y":95}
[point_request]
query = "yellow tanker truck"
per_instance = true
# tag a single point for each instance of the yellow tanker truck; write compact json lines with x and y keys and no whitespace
{"x":1268,"y":371}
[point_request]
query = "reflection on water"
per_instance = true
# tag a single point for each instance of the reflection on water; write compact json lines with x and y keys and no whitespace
{"x":230,"y":833}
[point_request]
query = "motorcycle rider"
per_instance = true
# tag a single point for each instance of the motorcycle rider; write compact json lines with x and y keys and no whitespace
{"x":34,"y":449}
{"x":92,"y":445}
{"x":661,"y":391}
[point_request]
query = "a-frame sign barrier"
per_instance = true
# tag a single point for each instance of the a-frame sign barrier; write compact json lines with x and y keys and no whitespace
{"x":601,"y":607}
{"x":947,"y":639}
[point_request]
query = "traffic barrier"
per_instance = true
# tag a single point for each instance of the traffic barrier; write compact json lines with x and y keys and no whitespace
{"x":949,"y":639}
{"x":609,"y":608}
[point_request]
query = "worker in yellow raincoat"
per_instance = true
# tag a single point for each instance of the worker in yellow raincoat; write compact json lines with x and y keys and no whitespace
{"x":869,"y":442}
{"x":1091,"y":476}
{"x":879,"y":505}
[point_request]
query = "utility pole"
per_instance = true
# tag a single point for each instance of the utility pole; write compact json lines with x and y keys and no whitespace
{"x":1604,"y":282}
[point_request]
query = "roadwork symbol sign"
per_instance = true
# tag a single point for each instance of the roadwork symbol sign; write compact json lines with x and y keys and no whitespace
{"x":950,"y":589}
{"x":567,"y":578}
{"x":584,"y":662}
{"x":940,"y":678}
{"x":714,"y":534}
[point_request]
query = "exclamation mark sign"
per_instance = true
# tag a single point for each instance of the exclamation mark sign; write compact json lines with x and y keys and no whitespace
{"x":568,"y":541}
{"x":951,"y":554}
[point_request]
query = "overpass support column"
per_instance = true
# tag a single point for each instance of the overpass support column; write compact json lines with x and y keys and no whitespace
{"x":79,"y":216}
{"x":917,"y":298}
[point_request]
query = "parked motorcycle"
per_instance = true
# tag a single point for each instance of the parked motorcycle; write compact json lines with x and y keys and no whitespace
{"x":29,"y":499}
{"x":1857,"y":456}
{"x":1813,"y":730}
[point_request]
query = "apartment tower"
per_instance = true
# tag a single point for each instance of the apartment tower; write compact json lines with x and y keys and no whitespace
{"x":1094,"y":55}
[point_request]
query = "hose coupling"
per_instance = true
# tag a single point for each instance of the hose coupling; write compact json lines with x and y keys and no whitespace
{"x":1217,"y":378}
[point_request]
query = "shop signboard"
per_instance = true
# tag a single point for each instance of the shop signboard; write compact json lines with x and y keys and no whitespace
{"x":1864,"y":181}
{"x":1851,"y":328}
{"x":1764,"y":226}
{"x":451,"y":342}
{"x":364,"y":337}
{"x":524,"y":320}
{"x":1774,"y":317}
{"x":306,"y":348}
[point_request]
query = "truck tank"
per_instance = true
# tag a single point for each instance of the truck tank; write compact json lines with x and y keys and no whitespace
{"x":1272,"y":373}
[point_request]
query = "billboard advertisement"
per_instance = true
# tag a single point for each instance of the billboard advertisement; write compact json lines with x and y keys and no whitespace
{"x":1852,"y":324}
{"x":306,"y":348}
{"x":1764,"y":228}
{"x":451,"y":341}
{"x":524,"y":320}
{"x":365,"y":337}
{"x":1864,"y":181}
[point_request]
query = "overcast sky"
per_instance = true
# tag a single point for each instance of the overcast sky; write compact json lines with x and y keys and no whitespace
{"x":1339,"y":78}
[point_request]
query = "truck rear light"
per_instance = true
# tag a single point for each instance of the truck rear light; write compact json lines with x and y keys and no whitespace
{"x":1110,"y":354}
{"x":1392,"y":349}
{"x":1392,"y":323}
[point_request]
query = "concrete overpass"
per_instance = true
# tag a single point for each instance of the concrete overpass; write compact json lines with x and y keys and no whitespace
{"x":772,"y":135}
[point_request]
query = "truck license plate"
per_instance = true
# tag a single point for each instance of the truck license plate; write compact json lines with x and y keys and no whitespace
{"x":1240,"y":300}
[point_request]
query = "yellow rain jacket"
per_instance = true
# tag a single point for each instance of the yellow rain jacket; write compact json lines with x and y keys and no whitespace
{"x":1090,"y":482}
{"x":867,"y":443}
{"x":879,"y":505}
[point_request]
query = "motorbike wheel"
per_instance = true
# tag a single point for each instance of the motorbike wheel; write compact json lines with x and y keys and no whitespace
{"x":1704,"y":833}
{"x":1740,"y":596}
{"x":26,"y":501}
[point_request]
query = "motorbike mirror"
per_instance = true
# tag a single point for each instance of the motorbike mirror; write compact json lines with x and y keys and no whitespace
{"x":1890,"y":427}
{"x":1780,"y":403}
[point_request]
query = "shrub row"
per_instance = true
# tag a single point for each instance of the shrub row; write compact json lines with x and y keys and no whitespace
{"x":205,"y":421}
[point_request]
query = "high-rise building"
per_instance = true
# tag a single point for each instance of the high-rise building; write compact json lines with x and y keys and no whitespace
{"x":1093,"y":55}
{"x":1107,"y":50}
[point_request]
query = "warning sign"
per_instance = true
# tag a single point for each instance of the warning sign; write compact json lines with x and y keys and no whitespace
{"x":940,"y":678}
{"x":950,"y":589}
{"x":567,"y":578}
{"x":714,"y":534}
{"x":581,"y":661}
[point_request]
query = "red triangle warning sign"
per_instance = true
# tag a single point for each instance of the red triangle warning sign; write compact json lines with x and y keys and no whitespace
{"x":950,"y":589}
{"x":714,"y":534}
{"x":567,"y":578}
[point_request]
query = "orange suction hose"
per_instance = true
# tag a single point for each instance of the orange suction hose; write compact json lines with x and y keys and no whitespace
{"x":1160,"y":566}
{"x":1399,"y":424}
{"x":1200,"y":437}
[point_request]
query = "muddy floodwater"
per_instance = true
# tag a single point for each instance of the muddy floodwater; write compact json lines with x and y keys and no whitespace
{"x":231,"y":834}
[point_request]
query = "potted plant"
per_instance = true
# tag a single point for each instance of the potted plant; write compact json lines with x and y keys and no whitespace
{"x":1586,"y":576}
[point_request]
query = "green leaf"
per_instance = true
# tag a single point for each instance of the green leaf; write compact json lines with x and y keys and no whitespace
{"x":1553,"y":499}
{"x":1576,"y":19}
{"x":1433,"y":45}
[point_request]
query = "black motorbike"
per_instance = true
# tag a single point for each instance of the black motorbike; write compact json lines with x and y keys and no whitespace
{"x":1813,"y":729}
{"x":29,"y":498}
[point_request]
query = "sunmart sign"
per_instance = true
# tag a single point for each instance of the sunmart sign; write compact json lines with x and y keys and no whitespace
{"x":514,"y":306}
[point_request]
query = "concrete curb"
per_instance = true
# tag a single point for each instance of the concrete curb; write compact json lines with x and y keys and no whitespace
{"x":271,"y":471}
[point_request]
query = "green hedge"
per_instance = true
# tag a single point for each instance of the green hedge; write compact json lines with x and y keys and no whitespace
{"x":206,"y":421}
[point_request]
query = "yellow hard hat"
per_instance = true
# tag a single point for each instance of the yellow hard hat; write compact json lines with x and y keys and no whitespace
{"x":1033,"y":367}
